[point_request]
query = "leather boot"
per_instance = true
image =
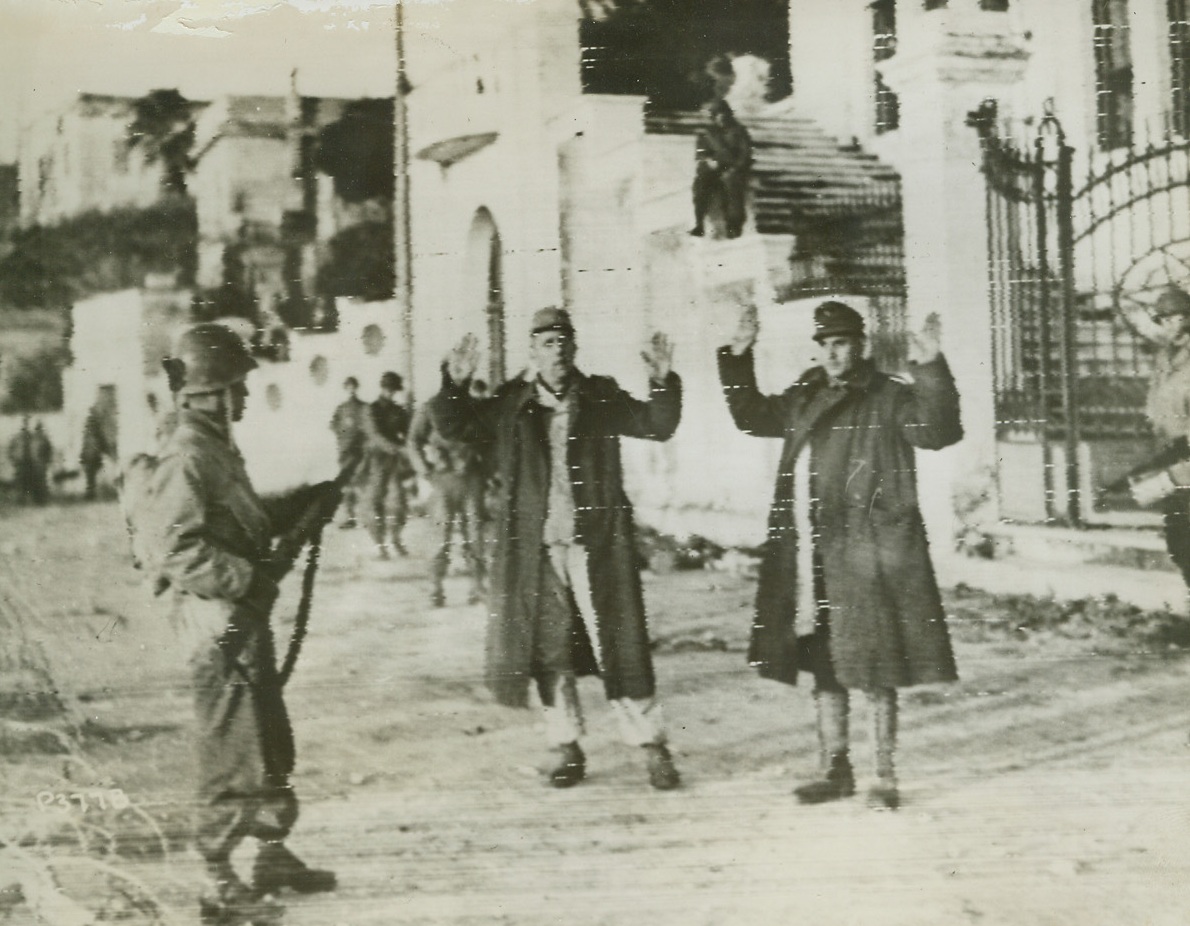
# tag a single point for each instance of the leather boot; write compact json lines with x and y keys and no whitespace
{"x":838,"y":778}
{"x":277,"y":868}
{"x":884,"y":795}
{"x":226,"y":901}
{"x":663,"y":774}
{"x":571,"y":767}
{"x":837,"y":782}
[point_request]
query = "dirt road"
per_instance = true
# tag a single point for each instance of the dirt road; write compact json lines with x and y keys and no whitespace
{"x":1050,"y":786}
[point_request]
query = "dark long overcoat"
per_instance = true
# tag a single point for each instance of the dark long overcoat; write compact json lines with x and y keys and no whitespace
{"x":886,"y":623}
{"x":516,"y":428}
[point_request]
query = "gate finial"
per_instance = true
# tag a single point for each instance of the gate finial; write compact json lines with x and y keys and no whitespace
{"x":1050,"y":124}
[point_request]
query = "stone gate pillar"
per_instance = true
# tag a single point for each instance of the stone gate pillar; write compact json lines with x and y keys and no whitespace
{"x":947,"y":62}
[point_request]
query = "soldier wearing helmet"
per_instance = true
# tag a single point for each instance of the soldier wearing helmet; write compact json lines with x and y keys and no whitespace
{"x":347,"y":423}
{"x":213,"y":534}
{"x":1168,"y":410}
{"x":723,"y":166}
{"x":386,"y":465}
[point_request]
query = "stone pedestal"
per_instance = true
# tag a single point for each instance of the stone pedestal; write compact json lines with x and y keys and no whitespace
{"x":942,"y":71}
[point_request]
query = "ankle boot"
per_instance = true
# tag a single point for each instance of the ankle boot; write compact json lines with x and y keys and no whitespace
{"x":836,"y":783}
{"x":838,"y":778}
{"x":571,"y":767}
{"x":663,"y":774}
{"x":884,"y":795}
{"x":277,"y":868}
{"x":226,"y":901}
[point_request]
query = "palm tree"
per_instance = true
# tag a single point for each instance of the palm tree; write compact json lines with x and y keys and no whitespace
{"x":163,"y":129}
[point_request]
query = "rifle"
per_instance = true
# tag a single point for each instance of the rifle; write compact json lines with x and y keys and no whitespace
{"x":1176,"y":451}
{"x":307,"y":530}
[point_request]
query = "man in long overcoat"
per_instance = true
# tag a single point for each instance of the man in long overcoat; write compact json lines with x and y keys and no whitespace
{"x":565,"y":595}
{"x":846,"y":561}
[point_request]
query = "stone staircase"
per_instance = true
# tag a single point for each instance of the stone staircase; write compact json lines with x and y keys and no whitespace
{"x":841,"y":205}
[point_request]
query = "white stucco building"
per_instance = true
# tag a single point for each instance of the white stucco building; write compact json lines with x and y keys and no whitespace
{"x":78,"y":159}
{"x":528,"y":192}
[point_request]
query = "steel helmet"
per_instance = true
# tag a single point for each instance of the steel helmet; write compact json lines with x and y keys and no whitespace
{"x":1172,"y":301}
{"x":208,"y":358}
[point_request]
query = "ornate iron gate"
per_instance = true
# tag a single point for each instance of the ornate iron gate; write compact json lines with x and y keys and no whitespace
{"x":1073,"y":268}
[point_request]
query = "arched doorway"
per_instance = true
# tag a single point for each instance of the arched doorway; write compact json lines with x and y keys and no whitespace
{"x":486,"y":287}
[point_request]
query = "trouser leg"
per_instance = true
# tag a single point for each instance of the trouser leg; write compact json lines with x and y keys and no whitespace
{"x":244,"y":747}
{"x":706,"y":182}
{"x":441,"y":561}
{"x":735,"y":190}
{"x":561,"y":707}
{"x":883,"y":702}
{"x":1175,"y":511}
{"x":883,"y":795}
{"x":833,"y":708}
{"x":377,"y":489}
{"x":640,"y":719}
{"x":470,"y":524}
{"x":400,"y":505}
{"x":837,"y":780}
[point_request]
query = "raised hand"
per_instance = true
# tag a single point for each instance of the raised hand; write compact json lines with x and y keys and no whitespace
{"x":926,"y":346}
{"x":659,"y":356}
{"x":463,"y":359}
{"x":747,"y":331}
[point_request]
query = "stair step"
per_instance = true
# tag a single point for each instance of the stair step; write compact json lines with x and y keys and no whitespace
{"x":1133,"y":548}
{"x":801,"y":175}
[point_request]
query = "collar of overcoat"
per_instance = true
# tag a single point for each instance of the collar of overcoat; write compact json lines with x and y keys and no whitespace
{"x":527,"y":388}
{"x":822,"y":400}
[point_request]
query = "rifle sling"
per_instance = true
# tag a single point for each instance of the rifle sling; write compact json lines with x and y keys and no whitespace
{"x":301,"y":621}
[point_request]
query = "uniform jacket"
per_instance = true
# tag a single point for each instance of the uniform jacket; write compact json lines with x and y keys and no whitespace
{"x":887,"y":626}
{"x":43,"y":450}
{"x":516,"y":429}
{"x":348,"y":425}
{"x":206,"y":525}
{"x":21,"y":451}
{"x":99,"y":437}
{"x":432,"y":454}
{"x":210,"y":525}
{"x":386,"y":430}
{"x":729,"y":147}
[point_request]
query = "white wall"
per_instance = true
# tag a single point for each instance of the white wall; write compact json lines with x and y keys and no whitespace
{"x":520,"y":58}
{"x":285,"y":436}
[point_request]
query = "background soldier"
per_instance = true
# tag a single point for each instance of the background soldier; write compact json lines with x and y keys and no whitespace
{"x":724,"y":163}
{"x":455,"y":471}
{"x":99,"y":438}
{"x":43,"y":459}
{"x":846,"y":548}
{"x":386,"y":429}
{"x":213,"y":534}
{"x":348,"y":425}
{"x":23,"y":458}
{"x":565,"y":588}
{"x":1168,"y":409}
